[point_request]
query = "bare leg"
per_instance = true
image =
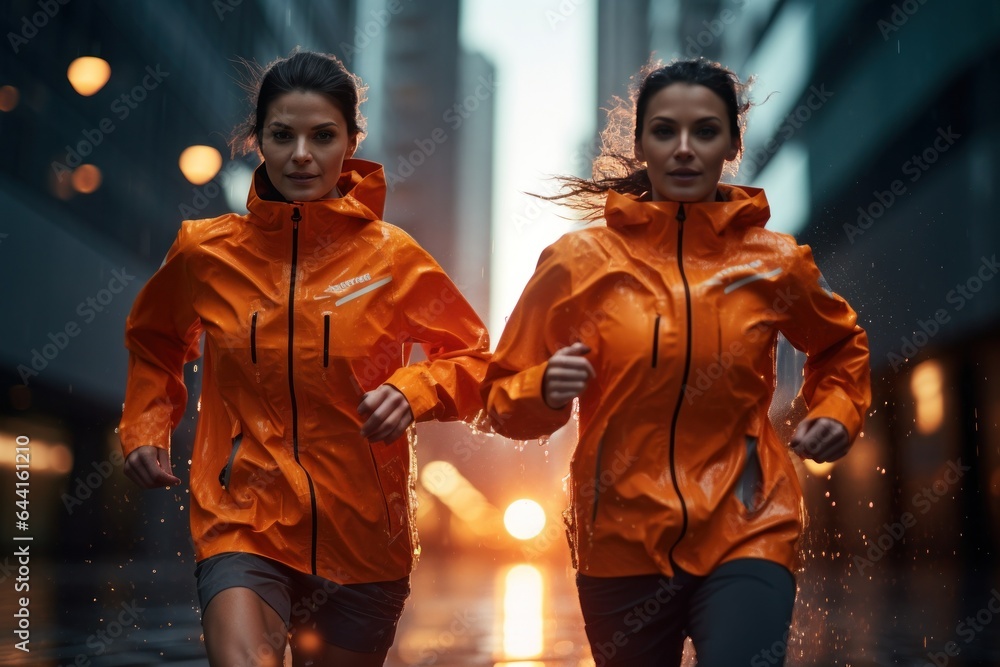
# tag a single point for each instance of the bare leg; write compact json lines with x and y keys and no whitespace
{"x":308,"y":650}
{"x":242,"y":630}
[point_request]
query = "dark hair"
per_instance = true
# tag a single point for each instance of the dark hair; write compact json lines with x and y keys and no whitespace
{"x":616,"y":167}
{"x":305,"y":71}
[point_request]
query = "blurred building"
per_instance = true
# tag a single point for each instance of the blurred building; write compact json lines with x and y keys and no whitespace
{"x":431,"y":122}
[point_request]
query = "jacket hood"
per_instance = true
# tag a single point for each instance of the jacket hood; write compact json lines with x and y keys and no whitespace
{"x":744,"y":206}
{"x":362,"y":184}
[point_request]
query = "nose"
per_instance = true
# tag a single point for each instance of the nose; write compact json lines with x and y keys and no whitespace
{"x":684,"y":146}
{"x":301,"y":153}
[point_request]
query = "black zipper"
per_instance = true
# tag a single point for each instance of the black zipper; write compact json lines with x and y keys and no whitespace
{"x":253,"y":337}
{"x":681,"y":217}
{"x":296,"y":217}
{"x":656,"y":339}
{"x":326,"y":340}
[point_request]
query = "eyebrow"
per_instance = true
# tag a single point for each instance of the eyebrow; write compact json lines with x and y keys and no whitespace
{"x":700,"y":120}
{"x":314,"y":127}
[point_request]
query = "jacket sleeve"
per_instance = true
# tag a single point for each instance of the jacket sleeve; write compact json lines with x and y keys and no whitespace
{"x":432,"y":312}
{"x":162,"y":334}
{"x":512,"y":389}
{"x":837,"y":375}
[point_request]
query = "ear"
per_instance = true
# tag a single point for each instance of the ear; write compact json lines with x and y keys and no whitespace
{"x":734,"y":150}
{"x":352,"y":146}
{"x":639,"y":154}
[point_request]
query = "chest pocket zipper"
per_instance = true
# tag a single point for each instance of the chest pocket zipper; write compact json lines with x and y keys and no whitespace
{"x":326,"y":340}
{"x":253,"y":337}
{"x":227,"y":470}
{"x":656,"y":340}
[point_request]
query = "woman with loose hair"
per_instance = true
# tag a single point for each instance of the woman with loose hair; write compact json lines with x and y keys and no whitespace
{"x":302,"y":474}
{"x":685,"y":509}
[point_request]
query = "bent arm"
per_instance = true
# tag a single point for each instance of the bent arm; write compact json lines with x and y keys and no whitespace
{"x":837,"y":375}
{"x":514,"y":390}
{"x":434,"y":314}
{"x":161,"y":334}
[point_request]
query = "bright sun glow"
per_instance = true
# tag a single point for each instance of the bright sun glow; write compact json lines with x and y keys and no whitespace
{"x":522,"y":613}
{"x":524,"y":519}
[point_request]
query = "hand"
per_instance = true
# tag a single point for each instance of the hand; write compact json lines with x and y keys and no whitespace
{"x":566,"y":376}
{"x":821,"y":439}
{"x":388,"y":414}
{"x":149,"y":467}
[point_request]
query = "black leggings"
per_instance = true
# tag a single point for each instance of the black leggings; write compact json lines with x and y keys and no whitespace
{"x":738,"y":615}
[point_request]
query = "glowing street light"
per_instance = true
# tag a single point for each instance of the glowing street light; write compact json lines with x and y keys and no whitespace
{"x":200,"y":164}
{"x":88,"y":74}
{"x":86,"y":178}
{"x":9,"y":97}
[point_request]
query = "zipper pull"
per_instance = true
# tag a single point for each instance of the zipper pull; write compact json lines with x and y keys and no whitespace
{"x":296,"y":216}
{"x":681,"y":216}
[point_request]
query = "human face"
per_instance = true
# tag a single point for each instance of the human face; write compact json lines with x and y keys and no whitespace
{"x":304,"y":142}
{"x":685,"y":143}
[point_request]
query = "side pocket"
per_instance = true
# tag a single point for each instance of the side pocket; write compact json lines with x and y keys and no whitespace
{"x":750,"y":484}
{"x":227,"y":470}
{"x":597,"y":482}
{"x":378,"y":476}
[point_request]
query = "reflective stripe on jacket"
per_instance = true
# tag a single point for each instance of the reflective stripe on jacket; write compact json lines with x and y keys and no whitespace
{"x":305,"y":306}
{"x":677,"y":463}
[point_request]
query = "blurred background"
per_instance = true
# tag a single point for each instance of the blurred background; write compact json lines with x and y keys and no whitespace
{"x":876,"y":145}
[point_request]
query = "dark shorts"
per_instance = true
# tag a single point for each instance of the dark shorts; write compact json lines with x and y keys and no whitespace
{"x":737,"y":615}
{"x":356,"y":617}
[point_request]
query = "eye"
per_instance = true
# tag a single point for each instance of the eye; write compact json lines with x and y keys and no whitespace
{"x":324,"y":136}
{"x":663,"y":131}
{"x":707,"y":132}
{"x":281,"y":135}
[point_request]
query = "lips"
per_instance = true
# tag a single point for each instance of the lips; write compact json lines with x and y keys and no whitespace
{"x":300,"y":177}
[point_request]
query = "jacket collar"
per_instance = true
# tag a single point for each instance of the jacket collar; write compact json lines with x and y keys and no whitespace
{"x":744,"y":206}
{"x":362,"y":184}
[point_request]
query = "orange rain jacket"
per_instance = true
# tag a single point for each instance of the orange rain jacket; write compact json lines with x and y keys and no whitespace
{"x":677,"y":463}
{"x":305,"y":305}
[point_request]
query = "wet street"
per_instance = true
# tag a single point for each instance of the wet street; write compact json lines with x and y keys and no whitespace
{"x":471,"y":610}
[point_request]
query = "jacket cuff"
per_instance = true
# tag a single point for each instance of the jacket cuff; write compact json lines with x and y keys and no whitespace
{"x":418,"y":387}
{"x":138,"y":435}
{"x":517,"y":409}
{"x":839,"y":407}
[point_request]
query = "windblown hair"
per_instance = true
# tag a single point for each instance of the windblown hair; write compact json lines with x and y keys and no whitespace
{"x":616,"y":167}
{"x":303,"y":71}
